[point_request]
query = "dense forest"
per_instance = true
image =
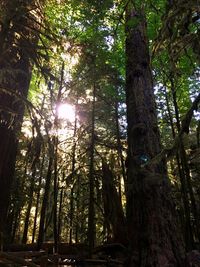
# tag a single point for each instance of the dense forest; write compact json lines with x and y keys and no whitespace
{"x":100,"y":131}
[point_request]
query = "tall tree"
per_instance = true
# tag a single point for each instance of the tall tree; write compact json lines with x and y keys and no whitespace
{"x":153,"y":232}
{"x":91,"y":211}
{"x":18,"y":39}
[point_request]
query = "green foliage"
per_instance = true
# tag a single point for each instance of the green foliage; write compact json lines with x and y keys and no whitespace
{"x":84,"y":41}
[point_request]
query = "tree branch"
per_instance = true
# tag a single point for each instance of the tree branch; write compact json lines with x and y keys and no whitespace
{"x":167,"y":153}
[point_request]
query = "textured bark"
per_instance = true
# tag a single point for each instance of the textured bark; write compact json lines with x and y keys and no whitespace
{"x":113,"y":211}
{"x":17,"y":46}
{"x":153,"y":233}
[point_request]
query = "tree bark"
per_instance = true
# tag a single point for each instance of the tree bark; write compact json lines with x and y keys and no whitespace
{"x":17,"y":46}
{"x":119,"y":145}
{"x":45,"y":199}
{"x":72,"y":204}
{"x":113,"y":211}
{"x":152,"y":227}
{"x":186,"y":211}
{"x":37,"y":201}
{"x":185,"y":172}
{"x":91,"y":212}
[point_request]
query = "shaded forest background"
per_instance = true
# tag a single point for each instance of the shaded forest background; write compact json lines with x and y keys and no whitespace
{"x":71,"y":148}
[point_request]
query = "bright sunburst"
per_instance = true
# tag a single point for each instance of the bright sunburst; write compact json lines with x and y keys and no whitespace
{"x":66,"y":112}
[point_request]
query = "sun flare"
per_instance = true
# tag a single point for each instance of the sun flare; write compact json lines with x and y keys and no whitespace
{"x":66,"y":112}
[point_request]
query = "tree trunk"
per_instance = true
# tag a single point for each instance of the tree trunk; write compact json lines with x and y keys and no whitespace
{"x":152,"y":228}
{"x":113,"y":211}
{"x":119,"y":145}
{"x":185,"y":170}
{"x":71,"y":215}
{"x":91,"y":215}
{"x":77,"y":226}
{"x":28,"y":211}
{"x":55,"y":193}
{"x":36,"y":158}
{"x":60,"y":215}
{"x":186,"y":211}
{"x":17,"y":46}
{"x":72,"y":206}
{"x":45,"y":200}
{"x":37,"y":202}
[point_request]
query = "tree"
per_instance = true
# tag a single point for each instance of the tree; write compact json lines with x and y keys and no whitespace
{"x":152,"y":227}
{"x":18,"y":40}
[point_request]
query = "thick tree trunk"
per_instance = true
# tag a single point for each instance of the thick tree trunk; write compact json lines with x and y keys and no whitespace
{"x":152,"y":230}
{"x":17,"y":45}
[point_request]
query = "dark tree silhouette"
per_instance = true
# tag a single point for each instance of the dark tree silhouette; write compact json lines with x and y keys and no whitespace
{"x":18,"y":39}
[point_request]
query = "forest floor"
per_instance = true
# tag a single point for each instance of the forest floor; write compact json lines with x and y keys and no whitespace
{"x":74,"y":255}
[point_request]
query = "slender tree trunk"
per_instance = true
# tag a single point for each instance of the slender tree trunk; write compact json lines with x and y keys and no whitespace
{"x":45,"y":200}
{"x":71,"y":215}
{"x":55,"y":180}
{"x":77,"y":210}
{"x":17,"y":185}
{"x":28,"y":211}
{"x":37,"y":202}
{"x":152,"y":227}
{"x":187,"y":222}
{"x":60,"y":216}
{"x":36,"y":157}
{"x":15,"y":224}
{"x":185,"y":171}
{"x":113,"y":211}
{"x":198,"y":135}
{"x":72,"y":208}
{"x":120,"y":154}
{"x":91,"y":215}
{"x":55,"y":195}
{"x":119,"y":145}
